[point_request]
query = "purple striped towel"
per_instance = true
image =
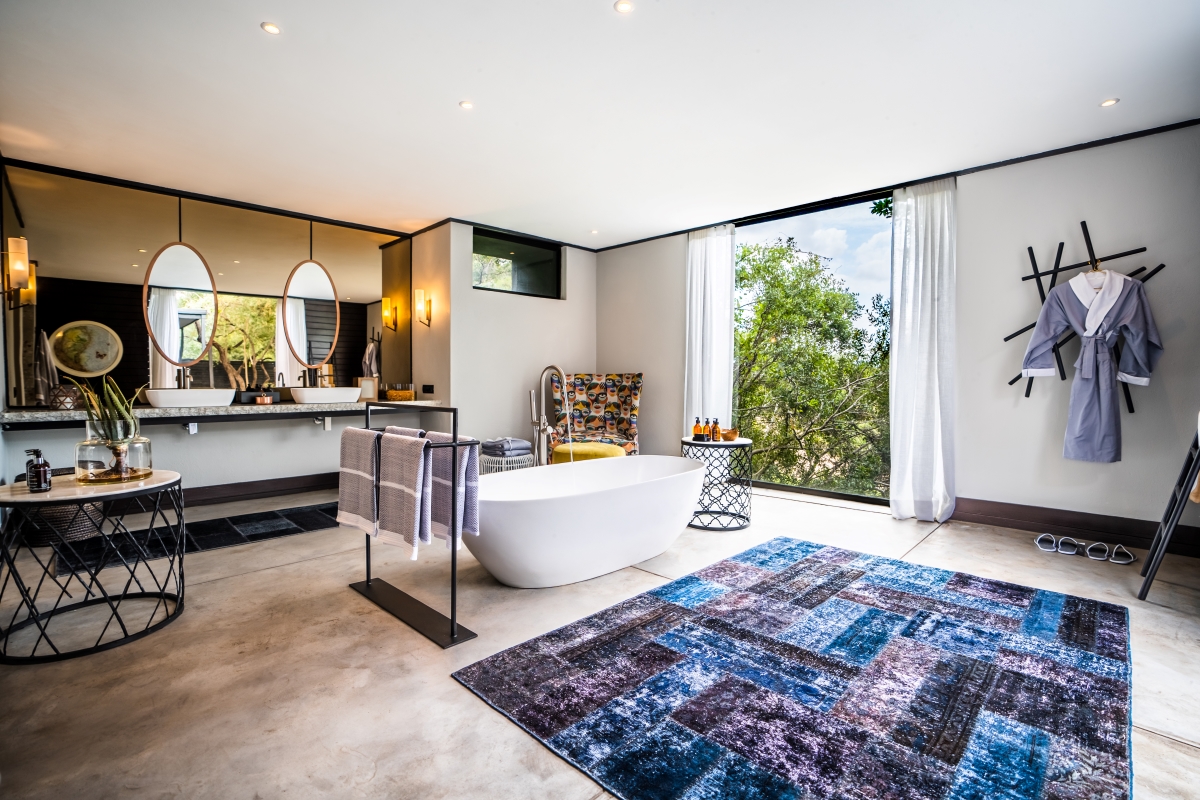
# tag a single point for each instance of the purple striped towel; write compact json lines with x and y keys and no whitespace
{"x":405,"y":476}
{"x":356,"y":479}
{"x":468,"y":488}
{"x":415,"y":433}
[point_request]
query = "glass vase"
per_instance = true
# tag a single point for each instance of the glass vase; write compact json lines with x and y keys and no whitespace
{"x":122,"y":456}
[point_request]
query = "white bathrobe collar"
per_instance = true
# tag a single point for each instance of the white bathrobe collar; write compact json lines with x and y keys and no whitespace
{"x":1098,"y":303}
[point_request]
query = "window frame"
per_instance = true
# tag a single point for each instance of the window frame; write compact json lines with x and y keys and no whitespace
{"x":527,"y":241}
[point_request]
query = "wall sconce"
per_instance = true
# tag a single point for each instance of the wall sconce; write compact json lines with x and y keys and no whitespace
{"x":19,"y":284}
{"x":389,"y":313}
{"x":424,"y":308}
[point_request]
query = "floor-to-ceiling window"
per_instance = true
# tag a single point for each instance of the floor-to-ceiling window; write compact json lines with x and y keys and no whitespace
{"x":811,"y":382}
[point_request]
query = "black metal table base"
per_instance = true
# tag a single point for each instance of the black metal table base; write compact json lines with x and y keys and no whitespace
{"x":434,"y":625}
{"x":719,"y":521}
{"x":725,"y":496}
{"x":36,"y":536}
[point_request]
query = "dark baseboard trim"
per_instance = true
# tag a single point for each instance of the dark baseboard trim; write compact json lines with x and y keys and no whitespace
{"x":1079,"y":524}
{"x":252,"y":490}
{"x":856,"y":498}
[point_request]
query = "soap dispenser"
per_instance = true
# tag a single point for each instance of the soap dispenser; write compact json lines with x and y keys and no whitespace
{"x":37,"y":472}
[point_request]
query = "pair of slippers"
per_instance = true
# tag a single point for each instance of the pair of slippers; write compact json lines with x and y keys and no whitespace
{"x":1097,"y":551}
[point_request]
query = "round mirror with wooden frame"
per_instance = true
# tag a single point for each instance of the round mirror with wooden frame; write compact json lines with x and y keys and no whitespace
{"x":176,"y":266}
{"x":309,"y":280}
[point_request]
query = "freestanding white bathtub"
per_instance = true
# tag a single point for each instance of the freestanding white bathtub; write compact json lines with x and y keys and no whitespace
{"x":547,"y":526}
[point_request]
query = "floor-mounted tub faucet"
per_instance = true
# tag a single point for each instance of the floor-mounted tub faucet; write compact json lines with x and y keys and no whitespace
{"x":542,"y":427}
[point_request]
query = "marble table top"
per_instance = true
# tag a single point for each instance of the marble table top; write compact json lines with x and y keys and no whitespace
{"x":65,"y":489}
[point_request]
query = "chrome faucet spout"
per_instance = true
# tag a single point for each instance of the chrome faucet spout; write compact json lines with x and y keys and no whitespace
{"x":541,"y":425}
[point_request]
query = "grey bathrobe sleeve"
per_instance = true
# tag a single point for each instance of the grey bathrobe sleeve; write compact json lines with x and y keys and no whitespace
{"x":1051,"y":323}
{"x":1142,"y":343}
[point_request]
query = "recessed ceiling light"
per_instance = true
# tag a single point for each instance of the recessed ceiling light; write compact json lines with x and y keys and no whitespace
{"x":141,"y":251}
{"x":271,"y":28}
{"x":623,"y":6}
{"x":512,"y":254}
{"x":237,"y":262}
{"x":467,"y":104}
{"x":220,"y":273}
{"x":1112,"y":101}
{"x":595,"y":231}
{"x":133,"y":265}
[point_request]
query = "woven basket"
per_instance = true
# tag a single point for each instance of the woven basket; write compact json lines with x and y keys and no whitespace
{"x":65,"y":398}
{"x":490,"y":464}
{"x":74,"y":522}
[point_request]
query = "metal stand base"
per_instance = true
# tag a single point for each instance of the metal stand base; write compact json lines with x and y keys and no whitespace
{"x":719,"y":521}
{"x":434,"y":625}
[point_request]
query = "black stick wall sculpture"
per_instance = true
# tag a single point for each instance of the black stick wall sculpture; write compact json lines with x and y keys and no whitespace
{"x":1091,"y":263}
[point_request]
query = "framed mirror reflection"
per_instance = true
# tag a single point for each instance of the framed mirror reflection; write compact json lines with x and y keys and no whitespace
{"x":193,"y":289}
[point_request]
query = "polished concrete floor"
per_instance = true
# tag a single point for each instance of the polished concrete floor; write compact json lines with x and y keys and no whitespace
{"x":279,"y":681}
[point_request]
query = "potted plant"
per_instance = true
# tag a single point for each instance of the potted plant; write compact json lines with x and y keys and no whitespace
{"x":115,"y":450}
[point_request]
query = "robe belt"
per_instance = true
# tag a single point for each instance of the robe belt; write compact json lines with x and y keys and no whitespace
{"x":1095,"y":353}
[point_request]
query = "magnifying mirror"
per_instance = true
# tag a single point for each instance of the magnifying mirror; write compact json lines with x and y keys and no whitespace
{"x":309,"y":280}
{"x":177,"y":272}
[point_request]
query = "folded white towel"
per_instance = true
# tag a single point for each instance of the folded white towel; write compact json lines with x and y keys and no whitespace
{"x":468,"y":487}
{"x":356,"y":479}
{"x":405,"y":476}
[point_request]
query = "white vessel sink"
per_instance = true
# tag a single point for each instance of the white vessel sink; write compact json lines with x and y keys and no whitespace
{"x":189,"y":398}
{"x":326,"y":394}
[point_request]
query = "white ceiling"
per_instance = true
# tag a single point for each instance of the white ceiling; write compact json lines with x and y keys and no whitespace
{"x":682,"y":113}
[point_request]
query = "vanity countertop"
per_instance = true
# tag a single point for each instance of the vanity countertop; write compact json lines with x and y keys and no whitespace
{"x":47,"y":418}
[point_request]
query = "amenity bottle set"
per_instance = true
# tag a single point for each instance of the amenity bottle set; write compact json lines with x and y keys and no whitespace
{"x":708,"y":432}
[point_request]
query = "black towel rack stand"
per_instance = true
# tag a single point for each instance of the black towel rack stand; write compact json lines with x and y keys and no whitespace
{"x":436,"y":626}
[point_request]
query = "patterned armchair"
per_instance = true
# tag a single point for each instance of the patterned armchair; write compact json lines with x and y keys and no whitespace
{"x":604,"y":408}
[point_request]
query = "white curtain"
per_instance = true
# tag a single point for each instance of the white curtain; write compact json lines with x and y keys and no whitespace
{"x":163,"y":312}
{"x":922,"y":354}
{"x":708,"y":368}
{"x":285,"y":363}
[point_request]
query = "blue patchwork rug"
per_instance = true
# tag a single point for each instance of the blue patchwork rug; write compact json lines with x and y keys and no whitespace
{"x":796,"y":670}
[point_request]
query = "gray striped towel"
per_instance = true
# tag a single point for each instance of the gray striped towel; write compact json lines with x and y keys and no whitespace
{"x":405,"y":476}
{"x":468,"y":487}
{"x":415,"y":433}
{"x":356,"y":479}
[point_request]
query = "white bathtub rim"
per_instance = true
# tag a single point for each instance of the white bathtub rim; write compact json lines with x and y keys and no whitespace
{"x":692,"y":467}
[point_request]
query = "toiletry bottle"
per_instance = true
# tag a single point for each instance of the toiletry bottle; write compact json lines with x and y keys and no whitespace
{"x":707,"y":430}
{"x":37,"y":472}
{"x":716,"y":430}
{"x":697,"y":432}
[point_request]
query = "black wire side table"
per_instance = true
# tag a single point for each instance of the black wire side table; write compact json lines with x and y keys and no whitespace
{"x":64,"y":594}
{"x":725,"y":499}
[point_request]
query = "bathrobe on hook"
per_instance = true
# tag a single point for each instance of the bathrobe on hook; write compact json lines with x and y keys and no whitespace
{"x":1101,"y":306}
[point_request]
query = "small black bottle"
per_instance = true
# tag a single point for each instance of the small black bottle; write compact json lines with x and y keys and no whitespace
{"x":37,"y":472}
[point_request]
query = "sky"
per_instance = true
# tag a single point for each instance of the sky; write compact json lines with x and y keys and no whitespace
{"x":858,"y":242}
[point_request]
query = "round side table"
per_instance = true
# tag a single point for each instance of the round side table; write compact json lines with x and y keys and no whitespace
{"x":725,"y":499}
{"x":76,"y":579}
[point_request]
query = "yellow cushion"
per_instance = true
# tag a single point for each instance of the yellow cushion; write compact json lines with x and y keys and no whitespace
{"x":584,"y":451}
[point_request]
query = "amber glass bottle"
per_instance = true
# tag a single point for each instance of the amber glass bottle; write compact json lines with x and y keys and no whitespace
{"x":697,"y":431}
{"x":716,"y":430}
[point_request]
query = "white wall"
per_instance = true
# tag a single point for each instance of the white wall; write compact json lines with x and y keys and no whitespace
{"x":502,"y":342}
{"x":1143,"y":192}
{"x":640,"y":327}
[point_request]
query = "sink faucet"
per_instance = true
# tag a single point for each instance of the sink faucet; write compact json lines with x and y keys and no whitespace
{"x":279,"y":380}
{"x":183,"y":378}
{"x":542,"y":428}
